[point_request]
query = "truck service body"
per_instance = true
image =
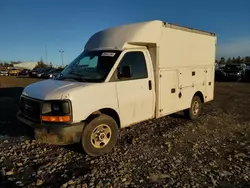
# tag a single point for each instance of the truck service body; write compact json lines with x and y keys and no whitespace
{"x":152,"y":69}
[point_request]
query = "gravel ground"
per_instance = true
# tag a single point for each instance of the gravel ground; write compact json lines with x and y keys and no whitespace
{"x":213,"y":151}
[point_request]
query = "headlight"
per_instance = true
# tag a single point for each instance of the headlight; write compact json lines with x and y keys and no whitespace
{"x":46,"y":108}
{"x":56,"y":107}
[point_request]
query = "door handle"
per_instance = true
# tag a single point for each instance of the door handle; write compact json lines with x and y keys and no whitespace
{"x":149,"y":85}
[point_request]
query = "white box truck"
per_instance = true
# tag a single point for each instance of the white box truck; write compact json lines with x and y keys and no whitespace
{"x":125,"y":75}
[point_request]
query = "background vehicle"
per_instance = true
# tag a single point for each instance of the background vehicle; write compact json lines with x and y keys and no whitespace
{"x":124,"y":76}
{"x":35,"y":72}
{"x":14,"y":72}
{"x":24,"y":72}
{"x":48,"y":74}
{"x":218,"y":72}
{"x":41,"y":73}
{"x":4,"y":72}
{"x":233,"y":72}
{"x":52,"y":73}
{"x":56,"y":72}
{"x":247,"y":72}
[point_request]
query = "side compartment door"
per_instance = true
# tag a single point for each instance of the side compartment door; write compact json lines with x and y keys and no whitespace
{"x":210,"y":72}
{"x":199,"y":77}
{"x":169,"y":91}
{"x":135,"y":94}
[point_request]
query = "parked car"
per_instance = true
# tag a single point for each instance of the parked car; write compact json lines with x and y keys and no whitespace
{"x":233,"y":72}
{"x":52,"y":73}
{"x":120,"y":80}
{"x":219,"y":73}
{"x":57,"y":72}
{"x":34,"y":72}
{"x":49,"y":74}
{"x":14,"y":72}
{"x":4,"y":72}
{"x":24,"y":72}
{"x":247,"y":72}
{"x":41,"y":73}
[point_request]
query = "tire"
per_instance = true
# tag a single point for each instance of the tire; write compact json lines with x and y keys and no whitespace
{"x":104,"y":142}
{"x":192,"y":113}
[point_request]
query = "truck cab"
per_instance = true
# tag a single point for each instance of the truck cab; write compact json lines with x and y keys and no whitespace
{"x":92,"y":85}
{"x":117,"y":82}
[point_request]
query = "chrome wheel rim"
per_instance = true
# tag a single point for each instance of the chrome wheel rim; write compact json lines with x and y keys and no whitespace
{"x":101,"y":136}
{"x":196,"y":108}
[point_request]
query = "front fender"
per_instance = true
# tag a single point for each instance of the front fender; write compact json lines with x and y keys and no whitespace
{"x":93,"y":98}
{"x":100,"y":109}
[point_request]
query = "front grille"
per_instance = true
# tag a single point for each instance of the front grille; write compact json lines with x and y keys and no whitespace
{"x":30,"y":108}
{"x":231,"y":71}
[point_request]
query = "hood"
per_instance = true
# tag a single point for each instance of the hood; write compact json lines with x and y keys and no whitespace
{"x":52,"y":89}
{"x":232,"y":70}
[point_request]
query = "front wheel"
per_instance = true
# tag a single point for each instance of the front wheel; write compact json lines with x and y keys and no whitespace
{"x":99,"y":136}
{"x":195,"y":109}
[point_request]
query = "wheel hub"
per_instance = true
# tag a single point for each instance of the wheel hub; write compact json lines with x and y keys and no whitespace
{"x":101,"y":136}
{"x":196,"y":108}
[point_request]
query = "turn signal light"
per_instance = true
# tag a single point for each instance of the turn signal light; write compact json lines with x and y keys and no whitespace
{"x":56,"y":118}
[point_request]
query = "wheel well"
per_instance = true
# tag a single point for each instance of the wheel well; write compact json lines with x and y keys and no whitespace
{"x":200,"y":95}
{"x":107,"y":111}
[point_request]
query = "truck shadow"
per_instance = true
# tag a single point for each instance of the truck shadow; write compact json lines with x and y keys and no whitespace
{"x":9,"y":124}
{"x":178,"y":115}
{"x":77,"y":148}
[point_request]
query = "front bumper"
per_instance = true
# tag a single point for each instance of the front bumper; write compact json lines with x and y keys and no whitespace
{"x":56,"y":134}
{"x":229,"y":76}
{"x":3,"y":74}
{"x":233,"y":75}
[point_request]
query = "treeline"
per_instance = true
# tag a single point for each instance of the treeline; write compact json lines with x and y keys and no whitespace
{"x":237,"y":60}
{"x":42,"y":64}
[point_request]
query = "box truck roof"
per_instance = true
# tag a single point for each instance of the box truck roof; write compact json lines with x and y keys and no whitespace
{"x":142,"y":32}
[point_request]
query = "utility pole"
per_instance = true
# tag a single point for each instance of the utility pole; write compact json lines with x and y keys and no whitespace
{"x":46,"y":56}
{"x":61,"y":51}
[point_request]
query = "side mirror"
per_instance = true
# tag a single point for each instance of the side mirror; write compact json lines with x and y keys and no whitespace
{"x":125,"y":72}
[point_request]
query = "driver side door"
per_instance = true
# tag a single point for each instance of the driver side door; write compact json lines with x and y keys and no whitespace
{"x":135,"y":94}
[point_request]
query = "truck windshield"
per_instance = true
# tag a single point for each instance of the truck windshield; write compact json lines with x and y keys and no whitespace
{"x":91,"y":66}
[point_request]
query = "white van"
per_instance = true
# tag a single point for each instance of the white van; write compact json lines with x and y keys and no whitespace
{"x":124,"y":76}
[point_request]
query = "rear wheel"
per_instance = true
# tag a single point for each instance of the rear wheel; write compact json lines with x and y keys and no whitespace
{"x":195,"y":109}
{"x":99,"y":136}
